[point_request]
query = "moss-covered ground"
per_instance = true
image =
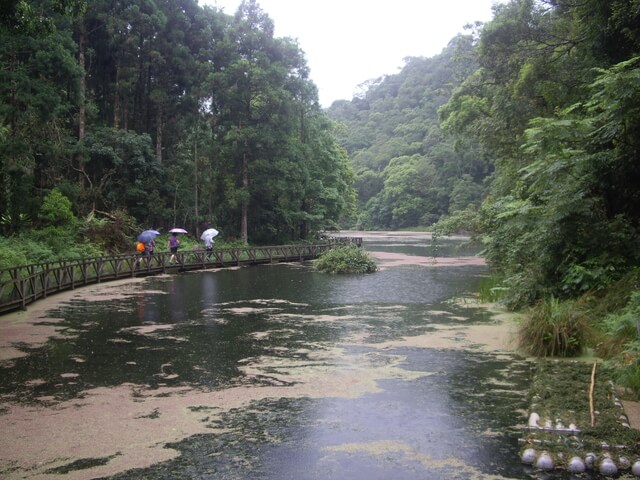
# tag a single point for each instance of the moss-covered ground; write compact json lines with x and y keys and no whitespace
{"x":573,"y":421}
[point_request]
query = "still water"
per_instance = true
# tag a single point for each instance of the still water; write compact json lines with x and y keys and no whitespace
{"x":268,"y":372}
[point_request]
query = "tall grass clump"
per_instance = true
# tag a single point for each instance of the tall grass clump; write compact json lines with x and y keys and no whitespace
{"x":346,"y":259}
{"x":552,"y":328}
{"x":492,"y":289}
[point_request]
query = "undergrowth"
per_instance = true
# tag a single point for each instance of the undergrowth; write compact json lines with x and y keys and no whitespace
{"x":346,"y":259}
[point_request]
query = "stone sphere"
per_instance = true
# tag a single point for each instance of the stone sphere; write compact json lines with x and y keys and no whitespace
{"x":608,"y":467}
{"x":635,"y":468}
{"x":590,"y":460}
{"x":528,"y":456}
{"x":545,"y":462}
{"x":624,"y":463}
{"x":576,"y":465}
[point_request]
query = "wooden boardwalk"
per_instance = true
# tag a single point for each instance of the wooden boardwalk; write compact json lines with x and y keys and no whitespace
{"x":21,"y":286}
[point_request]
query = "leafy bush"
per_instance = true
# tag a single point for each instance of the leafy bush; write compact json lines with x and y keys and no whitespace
{"x":111,"y":233}
{"x":56,"y":209}
{"x":554,"y":328}
{"x":465,"y":221}
{"x":628,"y":376}
{"x":622,"y":342}
{"x":492,"y":289}
{"x":347,"y":259}
{"x":44,"y":245}
{"x":11,"y":254}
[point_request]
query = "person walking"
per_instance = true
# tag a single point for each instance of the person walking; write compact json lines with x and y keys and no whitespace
{"x":208,"y":246}
{"x":173,"y":245}
{"x":152,"y":247}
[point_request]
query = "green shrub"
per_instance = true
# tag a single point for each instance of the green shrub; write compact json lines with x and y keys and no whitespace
{"x":621,"y":343}
{"x":10,"y":254}
{"x":347,"y":259}
{"x":56,"y":209}
{"x":112,"y":234}
{"x":628,"y":376}
{"x":492,"y":289}
{"x":465,"y":221}
{"x":554,"y":328}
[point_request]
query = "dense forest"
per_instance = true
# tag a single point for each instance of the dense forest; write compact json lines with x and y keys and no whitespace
{"x":166,"y":113}
{"x":410,"y":173}
{"x":524,"y":133}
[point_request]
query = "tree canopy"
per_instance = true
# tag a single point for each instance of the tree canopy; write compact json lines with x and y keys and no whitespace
{"x":408,"y":173}
{"x":175,"y":113}
{"x":555,"y":103}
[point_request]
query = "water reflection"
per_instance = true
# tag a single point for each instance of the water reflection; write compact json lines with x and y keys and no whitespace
{"x":274,"y":372}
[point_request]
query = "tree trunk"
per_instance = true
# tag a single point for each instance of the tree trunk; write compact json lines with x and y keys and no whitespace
{"x":116,"y":99}
{"x":195,"y":181}
{"x":159,"y":134}
{"x":82,"y":90}
{"x":244,"y":236}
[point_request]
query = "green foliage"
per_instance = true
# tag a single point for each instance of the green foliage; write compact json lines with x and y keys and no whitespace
{"x":628,"y":375}
{"x":465,"y":221}
{"x":112,"y":234}
{"x":346,"y":259}
{"x":408,"y":173}
{"x":12,"y":253}
{"x":554,"y":328}
{"x":172,"y":112}
{"x":45,"y":245}
{"x":622,"y":342}
{"x":556,"y":106}
{"x":492,"y":289}
{"x":56,"y":209}
{"x":564,"y":223}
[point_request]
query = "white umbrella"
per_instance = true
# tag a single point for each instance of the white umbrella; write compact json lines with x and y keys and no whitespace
{"x":208,"y":234}
{"x":177,"y":230}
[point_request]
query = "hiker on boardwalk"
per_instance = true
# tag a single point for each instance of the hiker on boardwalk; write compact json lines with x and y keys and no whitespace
{"x":173,"y":245}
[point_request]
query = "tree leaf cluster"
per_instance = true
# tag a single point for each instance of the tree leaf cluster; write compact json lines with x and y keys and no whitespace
{"x":346,"y":259}
{"x":174,"y":113}
{"x":555,"y":103}
{"x":408,"y":172}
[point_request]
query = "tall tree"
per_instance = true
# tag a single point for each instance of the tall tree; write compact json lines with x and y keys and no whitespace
{"x":562,"y":218}
{"x":38,"y":75}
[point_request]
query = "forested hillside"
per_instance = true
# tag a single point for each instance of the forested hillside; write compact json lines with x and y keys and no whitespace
{"x":527,"y":135}
{"x":164,"y":113}
{"x":408,"y":173}
{"x":555,"y":103}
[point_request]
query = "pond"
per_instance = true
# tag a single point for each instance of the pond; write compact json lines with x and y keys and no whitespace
{"x":268,"y":372}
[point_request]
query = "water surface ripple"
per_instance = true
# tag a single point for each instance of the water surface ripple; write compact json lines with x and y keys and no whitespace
{"x":269,"y":372}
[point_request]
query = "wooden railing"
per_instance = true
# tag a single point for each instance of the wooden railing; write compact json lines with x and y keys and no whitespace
{"x":23,"y":285}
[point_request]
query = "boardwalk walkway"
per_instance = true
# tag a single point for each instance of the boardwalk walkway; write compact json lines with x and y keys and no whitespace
{"x":23,"y":285}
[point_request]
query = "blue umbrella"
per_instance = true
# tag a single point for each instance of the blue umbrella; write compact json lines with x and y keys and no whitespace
{"x":148,"y":235}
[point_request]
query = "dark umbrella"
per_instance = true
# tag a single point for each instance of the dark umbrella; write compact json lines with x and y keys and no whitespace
{"x":148,"y":235}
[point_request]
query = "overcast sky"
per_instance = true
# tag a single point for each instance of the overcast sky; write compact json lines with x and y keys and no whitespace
{"x":347,"y":42}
